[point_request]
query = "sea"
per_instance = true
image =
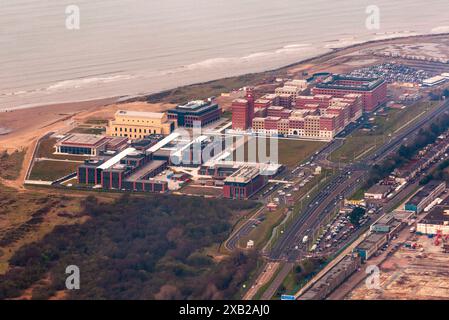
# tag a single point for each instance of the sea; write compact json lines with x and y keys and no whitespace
{"x":135,"y":47}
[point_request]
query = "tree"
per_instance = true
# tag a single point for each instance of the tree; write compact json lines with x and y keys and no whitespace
{"x":356,"y":214}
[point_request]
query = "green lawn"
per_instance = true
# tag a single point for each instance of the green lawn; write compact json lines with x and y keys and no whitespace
{"x":51,"y":170}
{"x":261,"y":234}
{"x":89,"y":130}
{"x":293,"y":152}
{"x":290,"y":152}
{"x":208,"y":89}
{"x":361,"y":143}
{"x":359,"y":194}
{"x":47,"y":148}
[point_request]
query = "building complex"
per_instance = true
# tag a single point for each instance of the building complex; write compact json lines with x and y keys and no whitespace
{"x":200,"y":112}
{"x":425,"y":196}
{"x":137,"y":124}
{"x":436,"y":221}
{"x":373,"y":90}
{"x":88,"y":144}
{"x":320,"y":116}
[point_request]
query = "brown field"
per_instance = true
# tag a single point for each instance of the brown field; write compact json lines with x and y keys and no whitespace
{"x":421,"y":274}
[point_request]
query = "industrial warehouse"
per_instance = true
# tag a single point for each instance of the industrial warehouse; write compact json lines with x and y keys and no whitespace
{"x":436,"y":221}
{"x":426,"y":196}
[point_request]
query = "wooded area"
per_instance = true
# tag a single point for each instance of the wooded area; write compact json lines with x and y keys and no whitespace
{"x":136,"y":248}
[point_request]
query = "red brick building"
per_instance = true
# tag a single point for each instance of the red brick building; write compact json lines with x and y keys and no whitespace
{"x":243,"y":183}
{"x":243,"y":111}
{"x":373,"y":91}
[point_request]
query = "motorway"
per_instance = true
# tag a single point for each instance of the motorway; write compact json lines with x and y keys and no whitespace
{"x":320,"y":158}
{"x":350,"y":179}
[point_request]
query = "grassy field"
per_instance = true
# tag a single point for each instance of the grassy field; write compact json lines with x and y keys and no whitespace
{"x":362,"y":142}
{"x":208,"y":89}
{"x":10,"y":164}
{"x":89,"y":130}
{"x":293,"y":152}
{"x":290,"y":283}
{"x":290,"y":152}
{"x":28,"y":217}
{"x":358,"y":195}
{"x":261,"y":234}
{"x":48,"y":170}
{"x":102,"y":122}
{"x":227,"y":115}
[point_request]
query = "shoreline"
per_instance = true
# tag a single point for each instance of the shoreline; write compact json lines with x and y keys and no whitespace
{"x":154,"y":96}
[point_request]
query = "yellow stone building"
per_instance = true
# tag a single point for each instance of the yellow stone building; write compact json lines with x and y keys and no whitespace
{"x":137,"y":124}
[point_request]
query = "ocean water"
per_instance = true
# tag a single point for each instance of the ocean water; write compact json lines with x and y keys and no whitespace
{"x":129,"y":47}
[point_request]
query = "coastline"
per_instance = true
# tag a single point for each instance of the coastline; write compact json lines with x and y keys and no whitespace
{"x":21,"y":126}
{"x":154,"y":96}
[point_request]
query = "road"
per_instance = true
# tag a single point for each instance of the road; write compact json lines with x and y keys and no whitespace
{"x":352,"y":282}
{"x":267,"y":273}
{"x":271,"y":290}
{"x":340,"y":187}
{"x":243,"y":230}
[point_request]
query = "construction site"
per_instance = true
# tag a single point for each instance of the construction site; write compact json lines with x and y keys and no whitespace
{"x":416,"y":272}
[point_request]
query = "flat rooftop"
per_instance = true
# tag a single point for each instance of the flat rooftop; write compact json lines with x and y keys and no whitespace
{"x":139,"y":114}
{"x":81,"y":139}
{"x":116,"y":159}
{"x":424,"y":192}
{"x":371,"y":240}
{"x":378,"y":189}
{"x":192,"y":105}
{"x":196,"y":107}
{"x":438,"y":215}
{"x":243,"y":175}
{"x":276,"y":108}
{"x":334,"y":82}
{"x":146,"y":169}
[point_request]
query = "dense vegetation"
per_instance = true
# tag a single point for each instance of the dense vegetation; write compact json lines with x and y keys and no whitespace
{"x":439,"y":174}
{"x":300,"y":274}
{"x":10,"y":164}
{"x":355,"y":215}
{"x":136,"y":248}
{"x":407,"y":151}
